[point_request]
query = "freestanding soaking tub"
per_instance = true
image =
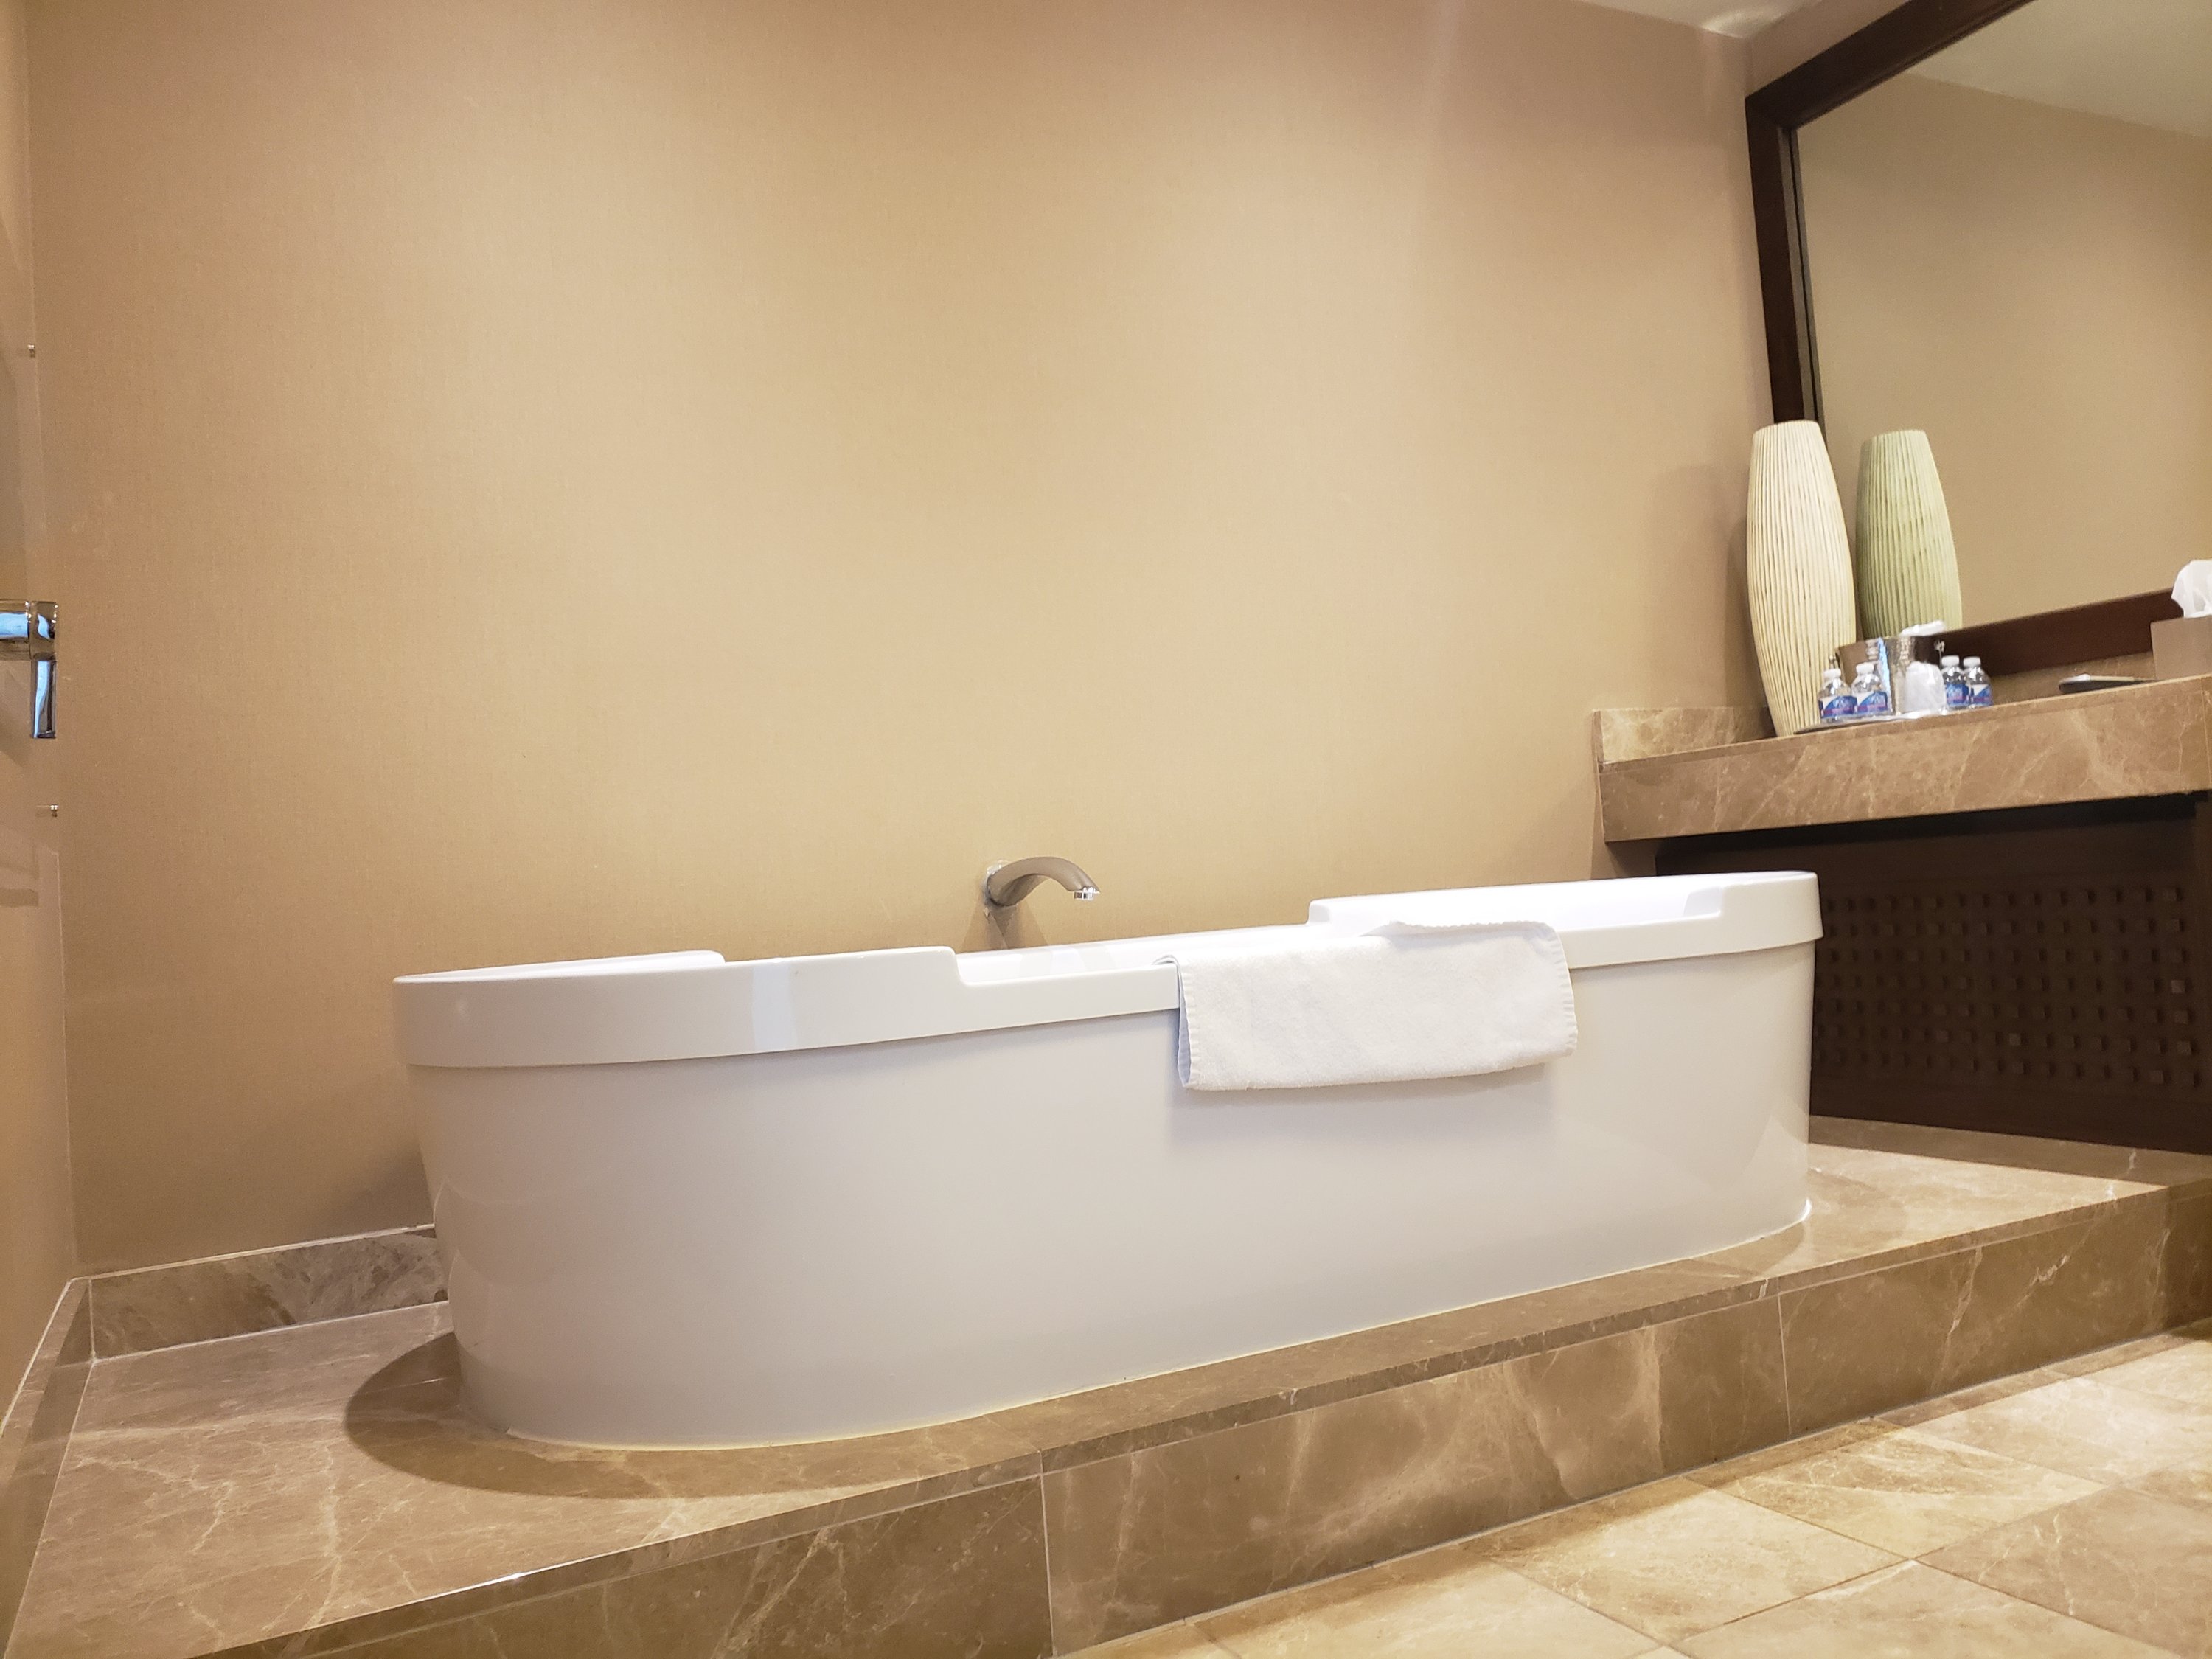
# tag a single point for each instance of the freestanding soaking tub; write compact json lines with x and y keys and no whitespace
{"x":686,"y":1202}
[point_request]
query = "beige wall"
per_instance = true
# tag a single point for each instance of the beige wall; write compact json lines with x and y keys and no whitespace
{"x":37,"y":1241}
{"x":557,"y":479}
{"x":1807,"y":32}
{"x":2034,"y":288}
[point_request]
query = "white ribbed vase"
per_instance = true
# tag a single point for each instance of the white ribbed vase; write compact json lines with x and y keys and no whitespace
{"x":1799,"y":569}
{"x":1908,"y":565}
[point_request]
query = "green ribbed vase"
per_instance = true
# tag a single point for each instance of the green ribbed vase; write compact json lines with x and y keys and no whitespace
{"x":1908,"y":565}
{"x":1798,"y":566}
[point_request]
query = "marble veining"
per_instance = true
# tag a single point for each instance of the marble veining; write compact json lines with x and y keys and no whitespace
{"x":267,"y":1485}
{"x":960,"y":1579}
{"x":1677,"y":1557}
{"x":1626,"y":734}
{"x":2122,"y":1559}
{"x":321,"y":1488}
{"x":1866,"y":1539}
{"x":2153,"y":740}
{"x":1911,"y":1609}
{"x":263,"y":1289}
{"x":1966,"y":1316}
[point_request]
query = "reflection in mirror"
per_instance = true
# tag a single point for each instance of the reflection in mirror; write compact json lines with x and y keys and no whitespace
{"x":2010,"y":246}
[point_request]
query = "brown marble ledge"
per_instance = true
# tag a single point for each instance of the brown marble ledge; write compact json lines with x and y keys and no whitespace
{"x":2136,"y":741}
{"x":220,"y":1296}
{"x":321,"y":1488}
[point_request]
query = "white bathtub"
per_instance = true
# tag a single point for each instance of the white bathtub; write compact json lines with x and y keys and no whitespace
{"x":690,"y":1202}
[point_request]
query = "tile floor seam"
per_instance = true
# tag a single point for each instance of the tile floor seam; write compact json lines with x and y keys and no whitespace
{"x":2078,"y":1618}
{"x":1952,"y":1577}
{"x":2092,"y":1381}
{"x":2070,"y":1611}
{"x":1759,"y":1613}
{"x":1884,"y":1431}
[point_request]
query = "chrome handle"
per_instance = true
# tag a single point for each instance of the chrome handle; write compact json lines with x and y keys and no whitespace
{"x":27,"y":632}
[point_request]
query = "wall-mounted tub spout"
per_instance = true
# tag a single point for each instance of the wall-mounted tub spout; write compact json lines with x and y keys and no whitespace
{"x":1006,"y":885}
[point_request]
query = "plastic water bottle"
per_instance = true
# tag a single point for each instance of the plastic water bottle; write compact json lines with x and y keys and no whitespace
{"x":1837,"y":703}
{"x":1954,"y":684}
{"x":1980,"y":694}
{"x":1867,"y":693}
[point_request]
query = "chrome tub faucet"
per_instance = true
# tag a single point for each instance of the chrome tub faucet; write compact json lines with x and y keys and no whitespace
{"x":1006,"y":885}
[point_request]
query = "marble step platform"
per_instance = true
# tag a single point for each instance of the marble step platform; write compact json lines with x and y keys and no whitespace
{"x":321,"y":1489}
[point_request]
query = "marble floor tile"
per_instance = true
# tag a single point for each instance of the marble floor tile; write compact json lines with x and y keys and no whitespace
{"x":1906,"y":1492}
{"x":1442,"y":1604}
{"x":1982,"y":1393}
{"x":1183,"y":1641}
{"x":2185,"y":1483}
{"x":1675,"y":1557}
{"x":1911,"y":1612}
{"x":2103,"y":1359}
{"x":2122,"y":1559}
{"x":2182,"y":1371}
{"x":2084,"y":1427}
{"x":1785,"y":1452}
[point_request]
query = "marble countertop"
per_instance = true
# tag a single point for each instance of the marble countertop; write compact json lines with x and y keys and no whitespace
{"x":2134,"y":741}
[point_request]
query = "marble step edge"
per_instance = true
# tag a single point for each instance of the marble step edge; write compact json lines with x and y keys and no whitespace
{"x":34,"y":1436}
{"x":1155,"y":1532}
{"x":1253,"y":1388}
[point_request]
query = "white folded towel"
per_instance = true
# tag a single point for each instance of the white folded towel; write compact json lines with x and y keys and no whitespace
{"x":1401,"y":1002}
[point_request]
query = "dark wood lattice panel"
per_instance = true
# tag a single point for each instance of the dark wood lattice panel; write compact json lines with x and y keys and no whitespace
{"x":2074,"y":985}
{"x":2041,"y":971}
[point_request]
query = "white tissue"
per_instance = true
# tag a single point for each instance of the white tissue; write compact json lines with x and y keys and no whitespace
{"x":1923,"y":689}
{"x":2192,"y":588}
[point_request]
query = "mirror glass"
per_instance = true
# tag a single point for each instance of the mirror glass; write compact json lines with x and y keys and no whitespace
{"x":2011,"y":249}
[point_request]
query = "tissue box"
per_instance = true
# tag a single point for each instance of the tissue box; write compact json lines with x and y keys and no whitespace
{"x":2181,"y":646}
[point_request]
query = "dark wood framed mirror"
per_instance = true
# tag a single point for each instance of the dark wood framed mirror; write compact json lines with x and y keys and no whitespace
{"x":1773,"y":116}
{"x":1990,"y":222}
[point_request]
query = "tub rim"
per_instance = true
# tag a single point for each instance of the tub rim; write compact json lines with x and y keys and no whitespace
{"x":696,"y":1004}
